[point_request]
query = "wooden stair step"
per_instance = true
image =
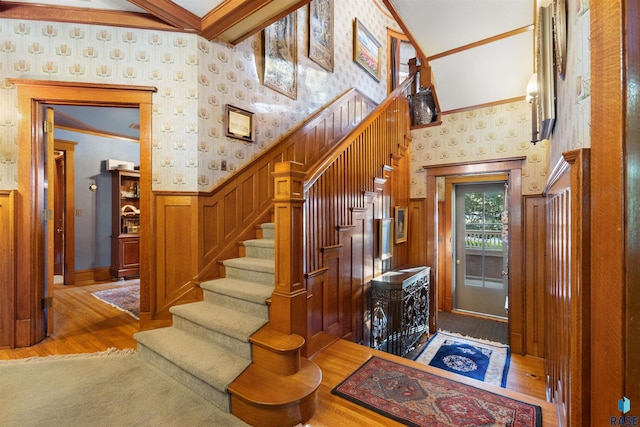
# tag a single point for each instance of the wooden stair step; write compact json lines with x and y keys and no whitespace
{"x":276,"y":351}
{"x":253,"y":399}
{"x":277,"y":341}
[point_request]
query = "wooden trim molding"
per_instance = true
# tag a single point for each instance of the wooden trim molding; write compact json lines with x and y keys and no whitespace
{"x":11,"y":10}
{"x":7,"y":262}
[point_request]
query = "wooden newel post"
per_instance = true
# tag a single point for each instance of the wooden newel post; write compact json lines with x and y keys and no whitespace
{"x":289,"y":299}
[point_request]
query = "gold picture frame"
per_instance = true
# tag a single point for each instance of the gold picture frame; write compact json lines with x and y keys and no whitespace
{"x":239,"y":123}
{"x":385,"y":241}
{"x":280,"y":42}
{"x":321,"y":33}
{"x":401,"y":223}
{"x":367,"y":51}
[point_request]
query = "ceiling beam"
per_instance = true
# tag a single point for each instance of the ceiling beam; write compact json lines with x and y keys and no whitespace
{"x":32,"y":12}
{"x":170,"y":13}
{"x":236,"y":20}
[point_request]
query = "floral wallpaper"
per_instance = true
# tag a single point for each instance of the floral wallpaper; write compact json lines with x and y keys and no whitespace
{"x":489,"y":133}
{"x":195,"y":78}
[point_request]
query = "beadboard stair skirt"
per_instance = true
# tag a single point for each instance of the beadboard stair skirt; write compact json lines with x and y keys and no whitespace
{"x":223,"y":349}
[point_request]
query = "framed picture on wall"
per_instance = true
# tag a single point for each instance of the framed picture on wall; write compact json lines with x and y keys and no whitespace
{"x":401,"y":223}
{"x":281,"y":55}
{"x":321,"y":33}
{"x":385,"y":238}
{"x":239,"y":123}
{"x":367,"y":51}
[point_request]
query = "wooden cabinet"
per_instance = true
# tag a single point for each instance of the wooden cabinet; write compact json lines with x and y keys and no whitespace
{"x":399,"y":309}
{"x":125,"y":228}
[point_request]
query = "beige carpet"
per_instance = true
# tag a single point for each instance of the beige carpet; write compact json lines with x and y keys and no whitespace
{"x":106,"y":389}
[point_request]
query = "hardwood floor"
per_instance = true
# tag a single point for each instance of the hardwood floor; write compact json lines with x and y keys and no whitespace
{"x":341,"y":358}
{"x":83,"y":324}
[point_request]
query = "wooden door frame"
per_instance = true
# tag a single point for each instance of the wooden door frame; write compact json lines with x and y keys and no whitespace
{"x":512,"y":167}
{"x":632,"y":203}
{"x":29,"y":323}
{"x":69,"y":209}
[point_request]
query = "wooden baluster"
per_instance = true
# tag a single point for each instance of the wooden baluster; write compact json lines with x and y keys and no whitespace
{"x":289,"y":299}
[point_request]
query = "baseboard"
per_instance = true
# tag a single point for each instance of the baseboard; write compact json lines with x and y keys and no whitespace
{"x":93,"y":275}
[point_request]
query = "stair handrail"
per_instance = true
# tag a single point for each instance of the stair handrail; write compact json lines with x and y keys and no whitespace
{"x":319,"y":167}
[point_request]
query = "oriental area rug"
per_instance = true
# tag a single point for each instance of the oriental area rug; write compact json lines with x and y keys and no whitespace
{"x":481,"y":360}
{"x":125,"y":298}
{"x":417,"y":398}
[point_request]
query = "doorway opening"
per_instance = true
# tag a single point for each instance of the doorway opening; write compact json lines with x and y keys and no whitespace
{"x":481,"y":249}
{"x":34,"y":280}
{"x":479,"y":260}
{"x":86,"y":138}
{"x":440,"y":182}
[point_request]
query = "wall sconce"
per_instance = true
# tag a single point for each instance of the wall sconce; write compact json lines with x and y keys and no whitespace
{"x":93,"y":187}
{"x":532,"y":98}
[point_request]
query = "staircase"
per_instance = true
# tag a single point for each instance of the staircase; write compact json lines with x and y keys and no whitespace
{"x":210,"y":343}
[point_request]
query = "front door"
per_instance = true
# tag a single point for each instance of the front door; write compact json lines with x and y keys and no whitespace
{"x":480,"y":280}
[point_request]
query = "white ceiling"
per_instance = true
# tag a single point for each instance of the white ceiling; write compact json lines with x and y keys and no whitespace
{"x":480,"y":51}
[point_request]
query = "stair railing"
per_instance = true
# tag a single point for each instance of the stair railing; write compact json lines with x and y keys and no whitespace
{"x":312,"y":202}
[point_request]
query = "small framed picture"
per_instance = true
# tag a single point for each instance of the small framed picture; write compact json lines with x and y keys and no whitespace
{"x":401,"y":223}
{"x":367,"y":50}
{"x":239,"y":123}
{"x":385,"y":242}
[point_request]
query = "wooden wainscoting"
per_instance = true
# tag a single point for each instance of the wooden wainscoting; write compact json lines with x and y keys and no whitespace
{"x":534,"y":244}
{"x":7,"y":263}
{"x":416,"y":231}
{"x":567,"y":294}
{"x":176,"y":254}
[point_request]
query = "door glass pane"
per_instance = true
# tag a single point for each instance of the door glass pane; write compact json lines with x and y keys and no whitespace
{"x":479,"y":283}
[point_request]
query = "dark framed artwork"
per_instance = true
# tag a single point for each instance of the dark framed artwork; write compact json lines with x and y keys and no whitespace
{"x":321,"y":33}
{"x":385,"y":238}
{"x":281,"y":55}
{"x":401,"y":223}
{"x":239,"y":123}
{"x":367,"y":51}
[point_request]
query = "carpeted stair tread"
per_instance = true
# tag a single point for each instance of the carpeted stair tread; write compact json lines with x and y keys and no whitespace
{"x":257,"y":384}
{"x":262,"y":243}
{"x":241,"y":289}
{"x":252,"y":264}
{"x":268,"y":230}
{"x":202,"y":359}
{"x":220,"y":319}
